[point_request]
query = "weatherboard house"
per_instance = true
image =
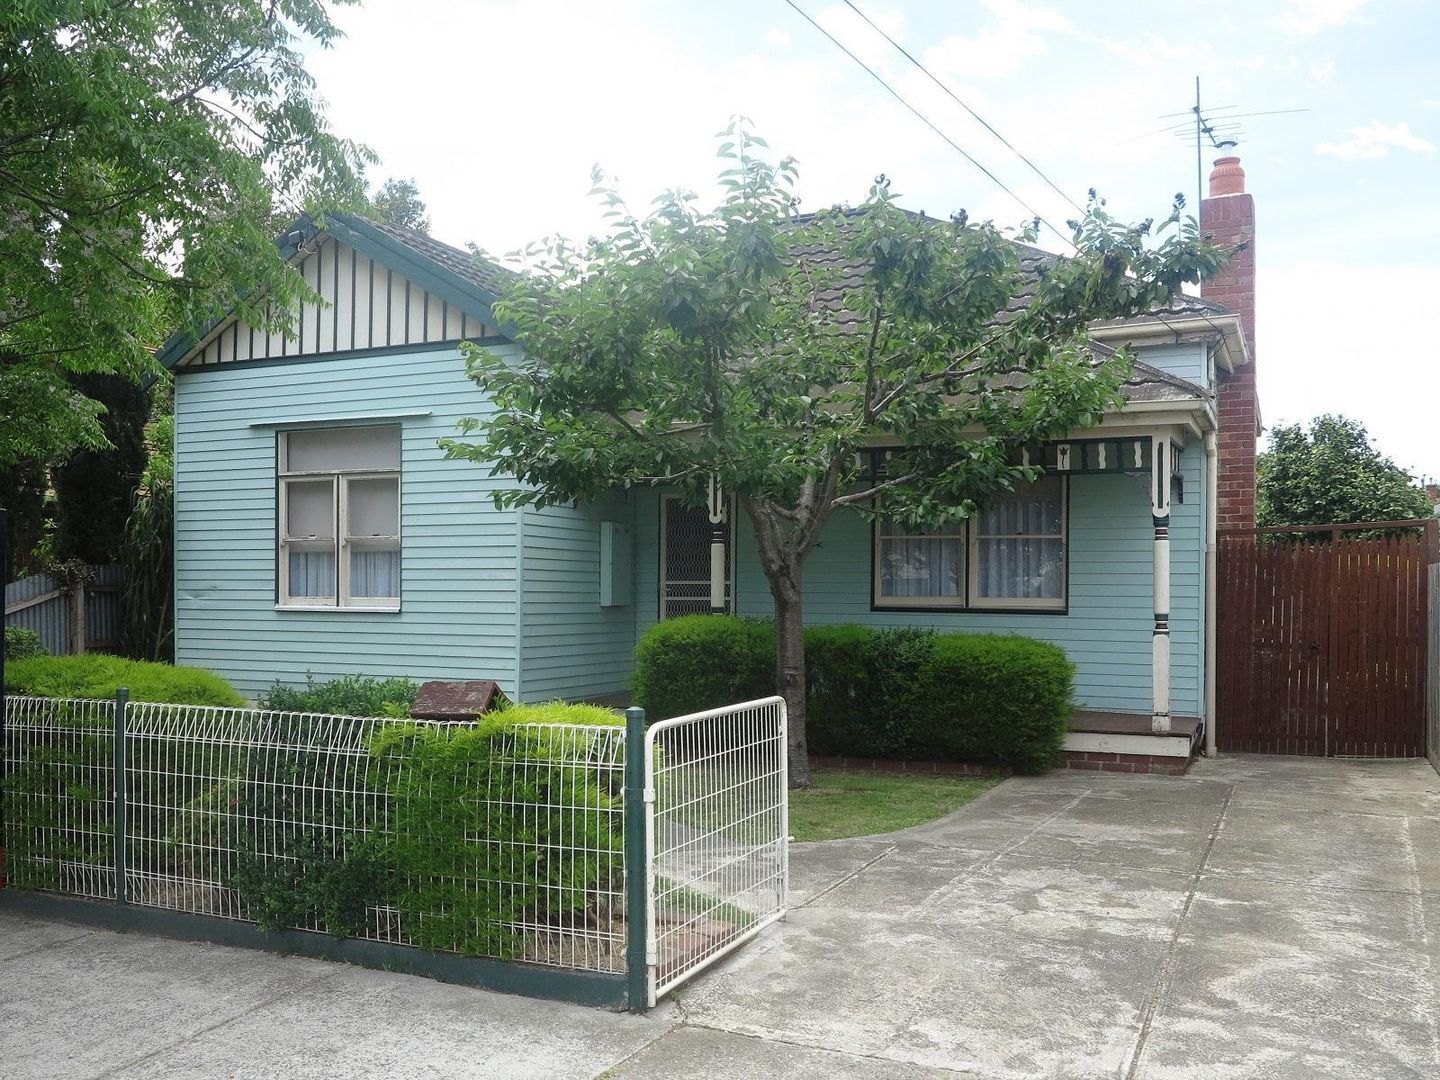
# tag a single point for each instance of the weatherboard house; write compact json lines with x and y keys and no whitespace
{"x":319,"y":528}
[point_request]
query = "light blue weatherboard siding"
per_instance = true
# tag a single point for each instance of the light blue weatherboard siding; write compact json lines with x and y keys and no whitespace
{"x":572,"y":646}
{"x":459,"y":569}
{"x":1106,"y":631}
{"x":1187,"y":359}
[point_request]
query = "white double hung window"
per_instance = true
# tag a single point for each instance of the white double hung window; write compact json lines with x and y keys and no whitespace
{"x":339,"y":542}
{"x":1011,"y":555}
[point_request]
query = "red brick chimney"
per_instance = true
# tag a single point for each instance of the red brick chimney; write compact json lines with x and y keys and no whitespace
{"x":1228,"y":216}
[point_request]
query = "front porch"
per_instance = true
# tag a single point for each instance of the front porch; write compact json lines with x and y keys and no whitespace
{"x":1127,"y":742}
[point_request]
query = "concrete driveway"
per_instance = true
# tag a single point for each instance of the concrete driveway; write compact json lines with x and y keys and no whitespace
{"x":1264,"y":917}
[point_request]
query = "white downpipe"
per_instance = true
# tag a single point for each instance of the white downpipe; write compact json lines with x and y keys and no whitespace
{"x":1212,"y":511}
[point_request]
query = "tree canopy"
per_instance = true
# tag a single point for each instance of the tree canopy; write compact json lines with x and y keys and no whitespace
{"x":1331,"y":473}
{"x":399,"y":203}
{"x":144,"y":148}
{"x":768,"y":352}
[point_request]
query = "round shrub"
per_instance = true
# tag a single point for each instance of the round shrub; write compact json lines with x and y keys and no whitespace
{"x":21,"y":644}
{"x":701,"y":662}
{"x":97,"y":675}
{"x":987,"y":697}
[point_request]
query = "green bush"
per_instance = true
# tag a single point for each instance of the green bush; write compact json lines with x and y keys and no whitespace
{"x":901,"y":692}
{"x":854,"y":676}
{"x":700,"y":662}
{"x":96,"y":675}
{"x":21,"y":644}
{"x":542,"y":838}
{"x":987,"y":697}
{"x":349,"y":695}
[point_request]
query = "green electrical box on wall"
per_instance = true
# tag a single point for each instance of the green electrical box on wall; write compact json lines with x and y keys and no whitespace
{"x":616,"y":580}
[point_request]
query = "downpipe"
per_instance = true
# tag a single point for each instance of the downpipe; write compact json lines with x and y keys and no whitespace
{"x":1212,"y":509}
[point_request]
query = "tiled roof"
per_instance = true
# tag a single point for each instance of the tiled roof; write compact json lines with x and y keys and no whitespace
{"x":473,"y":268}
{"x":1145,"y":383}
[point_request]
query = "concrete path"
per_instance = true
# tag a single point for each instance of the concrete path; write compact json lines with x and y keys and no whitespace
{"x":1263,"y":918}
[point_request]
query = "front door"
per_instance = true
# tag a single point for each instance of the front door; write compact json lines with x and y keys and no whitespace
{"x":685,"y":559}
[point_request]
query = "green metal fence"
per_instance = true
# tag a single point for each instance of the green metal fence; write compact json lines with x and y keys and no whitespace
{"x":513,"y":857}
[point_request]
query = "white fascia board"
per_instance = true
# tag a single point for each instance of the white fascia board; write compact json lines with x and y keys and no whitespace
{"x":1234,"y":350}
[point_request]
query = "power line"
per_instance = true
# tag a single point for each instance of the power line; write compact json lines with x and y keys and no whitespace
{"x":928,"y":122}
{"x":953,"y":97}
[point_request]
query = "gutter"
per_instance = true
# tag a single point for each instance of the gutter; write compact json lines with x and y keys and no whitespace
{"x":1212,"y":505}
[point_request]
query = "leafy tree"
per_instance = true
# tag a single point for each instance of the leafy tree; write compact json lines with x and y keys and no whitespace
{"x":697,"y":345}
{"x":1332,"y":474}
{"x":399,"y":203}
{"x":95,"y":488}
{"x":141,"y":148}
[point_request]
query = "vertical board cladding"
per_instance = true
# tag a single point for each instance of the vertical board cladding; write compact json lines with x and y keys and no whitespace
{"x":1187,"y":359}
{"x":571,"y":646}
{"x":1106,"y":629}
{"x":459,"y":558}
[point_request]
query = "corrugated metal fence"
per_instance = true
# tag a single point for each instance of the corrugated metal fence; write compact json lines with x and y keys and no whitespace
{"x":42,"y":603}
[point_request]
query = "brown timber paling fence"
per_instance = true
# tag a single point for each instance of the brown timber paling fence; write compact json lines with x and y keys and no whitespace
{"x":82,"y":618}
{"x":1432,"y":666}
{"x":1322,"y":644}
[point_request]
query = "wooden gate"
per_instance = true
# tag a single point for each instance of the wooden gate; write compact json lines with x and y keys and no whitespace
{"x":1322,"y":640}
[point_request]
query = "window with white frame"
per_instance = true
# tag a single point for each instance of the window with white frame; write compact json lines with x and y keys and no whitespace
{"x":1011,"y":555}
{"x":339,"y":542}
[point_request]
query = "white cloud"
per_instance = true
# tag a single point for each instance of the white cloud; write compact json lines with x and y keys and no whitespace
{"x":1306,"y":18}
{"x":1375,"y":140}
{"x":1321,"y":72}
{"x":1322,"y":348}
{"x":777,"y":37}
{"x":1001,"y":49}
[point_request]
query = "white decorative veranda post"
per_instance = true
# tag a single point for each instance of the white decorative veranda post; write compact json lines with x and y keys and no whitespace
{"x":1160,"y":467}
{"x":716,"y":510}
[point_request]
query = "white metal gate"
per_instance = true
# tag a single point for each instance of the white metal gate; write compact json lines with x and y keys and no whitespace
{"x":717,"y":832}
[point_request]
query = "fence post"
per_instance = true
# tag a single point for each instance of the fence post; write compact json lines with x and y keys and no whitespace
{"x":636,"y":862}
{"x":122,"y":707}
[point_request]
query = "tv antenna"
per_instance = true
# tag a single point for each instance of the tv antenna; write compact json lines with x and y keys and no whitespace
{"x":1217,"y":127}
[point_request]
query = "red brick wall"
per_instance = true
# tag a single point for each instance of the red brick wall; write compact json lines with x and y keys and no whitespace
{"x":1230,"y":220}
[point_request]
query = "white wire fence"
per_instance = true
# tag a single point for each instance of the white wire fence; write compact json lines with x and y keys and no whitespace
{"x":488,"y":839}
{"x":479,"y":839}
{"x":717,"y":835}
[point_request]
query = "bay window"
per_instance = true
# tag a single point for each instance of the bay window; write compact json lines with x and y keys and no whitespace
{"x":339,"y":503}
{"x":1011,"y":555}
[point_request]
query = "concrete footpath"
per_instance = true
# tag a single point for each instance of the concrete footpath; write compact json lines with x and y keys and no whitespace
{"x":1262,"y":918}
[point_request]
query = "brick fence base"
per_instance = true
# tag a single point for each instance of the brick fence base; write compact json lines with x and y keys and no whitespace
{"x":1131,"y":763}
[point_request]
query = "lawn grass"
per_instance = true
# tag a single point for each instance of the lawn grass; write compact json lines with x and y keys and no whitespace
{"x":843,"y":803}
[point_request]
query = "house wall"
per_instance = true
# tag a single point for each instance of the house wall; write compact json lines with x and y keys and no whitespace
{"x":459,"y":554}
{"x":1186,"y":359}
{"x":1106,"y":630}
{"x":572,"y":647}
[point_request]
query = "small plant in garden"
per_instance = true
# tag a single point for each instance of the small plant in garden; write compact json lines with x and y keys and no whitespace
{"x":349,"y":695}
{"x":22,"y":644}
{"x":313,"y":879}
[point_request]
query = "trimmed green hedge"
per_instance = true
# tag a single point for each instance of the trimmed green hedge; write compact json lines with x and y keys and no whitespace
{"x":895,"y":692}
{"x":21,"y":644}
{"x":96,"y":675}
{"x":702,"y":662}
{"x":552,"y":833}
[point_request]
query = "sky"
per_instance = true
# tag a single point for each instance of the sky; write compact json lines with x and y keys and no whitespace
{"x":499,"y":110}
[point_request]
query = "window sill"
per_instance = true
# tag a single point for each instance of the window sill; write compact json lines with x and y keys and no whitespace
{"x":956,"y":609}
{"x":333,"y":608}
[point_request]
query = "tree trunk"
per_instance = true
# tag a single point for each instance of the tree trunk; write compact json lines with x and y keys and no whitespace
{"x":790,"y":672}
